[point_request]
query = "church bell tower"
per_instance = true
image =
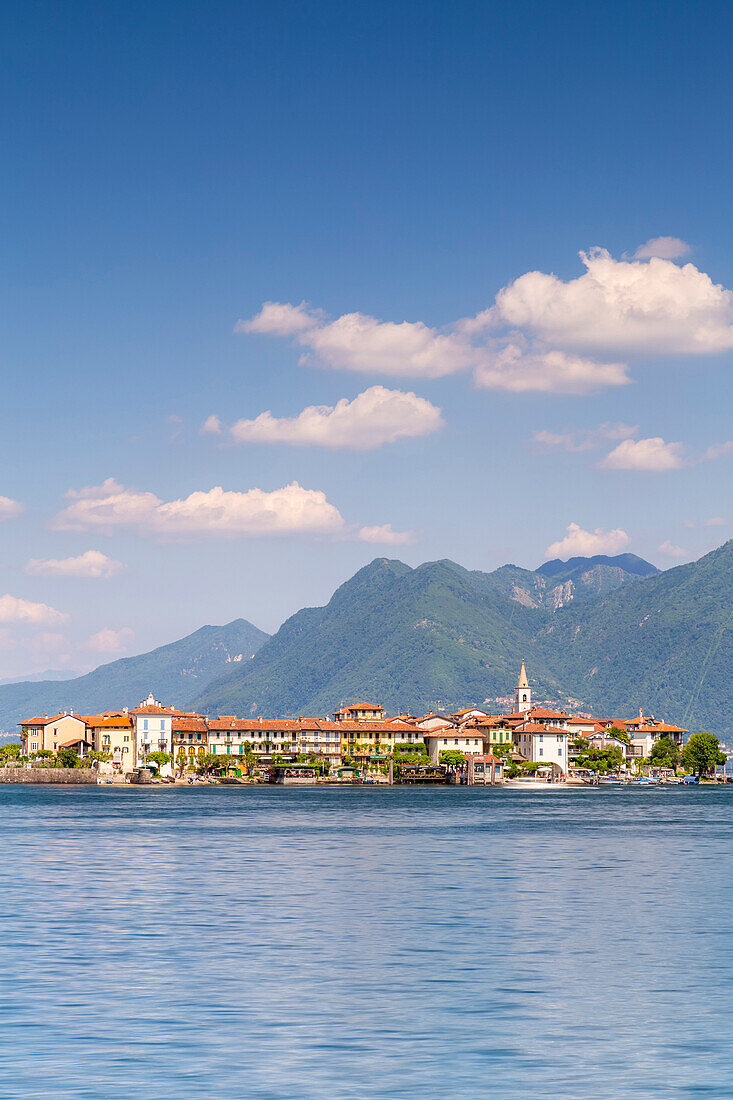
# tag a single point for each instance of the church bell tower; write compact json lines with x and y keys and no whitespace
{"x":522,"y":693}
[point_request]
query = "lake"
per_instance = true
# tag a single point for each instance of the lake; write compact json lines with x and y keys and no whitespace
{"x":336,"y":943}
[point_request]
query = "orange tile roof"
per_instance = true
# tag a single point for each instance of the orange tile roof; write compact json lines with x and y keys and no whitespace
{"x":227,"y":722}
{"x":189,"y":724}
{"x":112,"y":719}
{"x":48,"y":720}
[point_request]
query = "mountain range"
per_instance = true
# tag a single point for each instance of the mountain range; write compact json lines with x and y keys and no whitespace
{"x":604,"y":635}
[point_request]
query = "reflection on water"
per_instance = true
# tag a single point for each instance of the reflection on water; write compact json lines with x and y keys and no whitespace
{"x":318,"y":943}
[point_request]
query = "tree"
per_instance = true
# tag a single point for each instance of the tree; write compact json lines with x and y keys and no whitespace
{"x":159,"y":758}
{"x":702,"y":753}
{"x":11,"y":752}
{"x":453,"y":758}
{"x":580,"y":744}
{"x":98,"y":756}
{"x":618,"y":734}
{"x":208,"y":762}
{"x":181,"y":761}
{"x":665,"y":753}
{"x":67,"y":758}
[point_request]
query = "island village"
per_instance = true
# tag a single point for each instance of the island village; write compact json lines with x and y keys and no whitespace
{"x":530,"y":744}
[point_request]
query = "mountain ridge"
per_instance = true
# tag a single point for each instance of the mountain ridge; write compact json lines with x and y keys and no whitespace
{"x":440,"y":636}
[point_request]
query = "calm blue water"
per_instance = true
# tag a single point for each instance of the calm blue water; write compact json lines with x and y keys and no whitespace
{"x":315,"y":943}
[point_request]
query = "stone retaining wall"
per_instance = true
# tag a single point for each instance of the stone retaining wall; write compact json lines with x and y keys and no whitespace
{"x":48,"y":775}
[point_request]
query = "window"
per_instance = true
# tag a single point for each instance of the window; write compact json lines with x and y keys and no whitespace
{"x":542,"y":736}
{"x":145,"y":723}
{"x":126,"y":737}
{"x":542,"y":752}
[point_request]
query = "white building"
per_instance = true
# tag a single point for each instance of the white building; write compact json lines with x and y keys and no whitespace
{"x":542,"y":744}
{"x":522,"y":692}
{"x":153,"y":731}
{"x":470,"y":742}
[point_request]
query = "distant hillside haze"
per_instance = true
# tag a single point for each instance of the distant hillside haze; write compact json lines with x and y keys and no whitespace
{"x":609,"y":635}
{"x":174,"y":673}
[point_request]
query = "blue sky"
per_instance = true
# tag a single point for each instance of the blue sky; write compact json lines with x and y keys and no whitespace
{"x":169,"y":169}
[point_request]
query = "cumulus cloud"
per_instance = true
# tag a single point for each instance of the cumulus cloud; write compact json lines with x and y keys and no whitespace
{"x":291,"y":510}
{"x":385,"y":534}
{"x":672,"y":550}
{"x":375,"y":417}
{"x":9,"y":509}
{"x":663,"y":248}
{"x":582,"y":439}
{"x":652,"y":455}
{"x":111,"y":641}
{"x":358,"y":342}
{"x":15,"y":610}
{"x":519,"y":369}
{"x":92,"y":563}
{"x":281,"y":319}
{"x":581,"y":543}
{"x":211,"y":426}
{"x":619,"y":306}
{"x":541,"y":334}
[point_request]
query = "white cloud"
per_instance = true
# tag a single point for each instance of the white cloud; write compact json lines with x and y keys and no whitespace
{"x":645,"y":454}
{"x":288,"y":511}
{"x":92,"y":563}
{"x":672,"y":550}
{"x":581,"y":543}
{"x":385,"y":534}
{"x":619,"y":306}
{"x":375,"y":417}
{"x":15,"y":610}
{"x":542,"y":333}
{"x":111,"y":641}
{"x":211,"y":426}
{"x":281,"y":319}
{"x":518,"y":369}
{"x":357,"y":342}
{"x":663,"y":248}
{"x":717,"y":451}
{"x":583,"y":439}
{"x":9,"y":509}
{"x":715,"y":521}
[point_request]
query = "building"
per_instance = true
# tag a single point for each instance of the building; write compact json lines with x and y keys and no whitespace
{"x":112,"y":732}
{"x":61,"y":731}
{"x":325,"y":739}
{"x":497,"y":732}
{"x":522,"y":692}
{"x":190,"y":739}
{"x":644,"y":730}
{"x":361,"y":740}
{"x":541,"y":743}
{"x":153,"y":731}
{"x":264,"y":737}
{"x":469,"y":741}
{"x":360,"y":712}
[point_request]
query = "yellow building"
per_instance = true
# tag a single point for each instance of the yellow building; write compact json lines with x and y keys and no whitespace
{"x":112,"y":732}
{"x":60,"y":731}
